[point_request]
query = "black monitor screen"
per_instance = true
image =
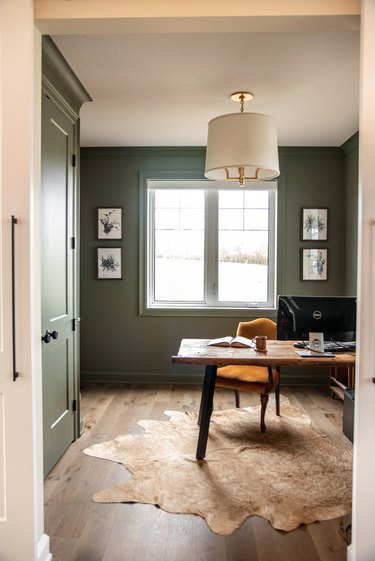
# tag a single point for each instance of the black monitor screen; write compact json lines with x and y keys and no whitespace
{"x":335,"y":316}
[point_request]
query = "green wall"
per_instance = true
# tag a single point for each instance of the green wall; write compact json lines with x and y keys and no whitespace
{"x":350,"y":149}
{"x":119,"y":344}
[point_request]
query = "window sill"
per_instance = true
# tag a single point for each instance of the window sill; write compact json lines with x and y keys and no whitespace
{"x":210,"y":312}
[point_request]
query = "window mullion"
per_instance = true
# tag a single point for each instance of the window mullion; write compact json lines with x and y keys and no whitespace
{"x":271,"y":248}
{"x":211,"y":248}
{"x":151,"y":246}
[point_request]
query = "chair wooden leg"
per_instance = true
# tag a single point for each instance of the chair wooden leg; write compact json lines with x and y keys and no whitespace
{"x":263,"y":407}
{"x":277,"y":399}
{"x":237,"y":397}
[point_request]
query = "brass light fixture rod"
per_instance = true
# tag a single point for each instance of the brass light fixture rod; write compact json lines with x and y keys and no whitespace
{"x":242,"y":98}
{"x":241,"y":176}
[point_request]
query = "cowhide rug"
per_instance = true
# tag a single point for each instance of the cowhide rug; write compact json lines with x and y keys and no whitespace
{"x":289,"y":475}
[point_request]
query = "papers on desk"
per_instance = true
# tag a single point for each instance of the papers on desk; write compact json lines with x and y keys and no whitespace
{"x":314,"y":354}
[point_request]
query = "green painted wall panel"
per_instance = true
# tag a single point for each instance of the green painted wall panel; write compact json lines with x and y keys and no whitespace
{"x":351,"y":213}
{"x":314,"y":178}
{"x":117,"y":343}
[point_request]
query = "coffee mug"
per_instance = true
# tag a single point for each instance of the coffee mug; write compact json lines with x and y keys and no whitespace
{"x":260,"y":343}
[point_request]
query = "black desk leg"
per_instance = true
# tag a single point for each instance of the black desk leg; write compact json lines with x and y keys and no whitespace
{"x":205,"y":410}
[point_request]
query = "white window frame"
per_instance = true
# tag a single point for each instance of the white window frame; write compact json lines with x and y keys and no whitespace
{"x":210,"y":306}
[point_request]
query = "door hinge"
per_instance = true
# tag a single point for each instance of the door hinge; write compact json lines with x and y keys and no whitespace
{"x":74,"y":405}
{"x":73,"y":243}
{"x":74,"y":160}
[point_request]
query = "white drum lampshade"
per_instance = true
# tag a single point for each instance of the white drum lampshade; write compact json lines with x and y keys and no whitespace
{"x":242,"y":147}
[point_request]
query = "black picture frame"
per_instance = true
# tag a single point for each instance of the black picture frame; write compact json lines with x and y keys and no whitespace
{"x":109,"y":263}
{"x":109,"y":223}
{"x":314,"y":224}
{"x":314,"y":264}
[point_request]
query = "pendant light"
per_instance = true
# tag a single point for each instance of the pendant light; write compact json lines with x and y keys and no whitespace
{"x":242,"y":146}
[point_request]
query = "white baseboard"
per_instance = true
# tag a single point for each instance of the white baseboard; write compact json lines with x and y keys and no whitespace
{"x":43,"y":549}
{"x":349,"y":556}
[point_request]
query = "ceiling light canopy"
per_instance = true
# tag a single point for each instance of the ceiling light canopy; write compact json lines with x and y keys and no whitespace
{"x":242,"y":146}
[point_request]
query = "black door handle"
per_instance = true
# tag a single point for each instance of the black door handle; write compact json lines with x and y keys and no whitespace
{"x":50,"y":335}
{"x":15,"y":372}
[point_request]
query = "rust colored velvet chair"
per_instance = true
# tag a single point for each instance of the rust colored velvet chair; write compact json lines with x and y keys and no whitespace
{"x":259,"y":379}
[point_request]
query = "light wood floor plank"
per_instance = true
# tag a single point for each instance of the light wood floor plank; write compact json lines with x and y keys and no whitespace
{"x":329,"y":536}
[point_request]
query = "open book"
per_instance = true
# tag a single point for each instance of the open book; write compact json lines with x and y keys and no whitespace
{"x":231,"y":342}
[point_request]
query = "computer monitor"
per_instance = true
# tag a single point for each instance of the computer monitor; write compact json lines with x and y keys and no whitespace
{"x":335,"y":316}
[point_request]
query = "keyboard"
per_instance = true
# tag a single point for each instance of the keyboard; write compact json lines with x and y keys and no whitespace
{"x":339,"y":346}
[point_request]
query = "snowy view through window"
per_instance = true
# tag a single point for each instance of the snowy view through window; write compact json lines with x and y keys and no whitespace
{"x":234,"y":228}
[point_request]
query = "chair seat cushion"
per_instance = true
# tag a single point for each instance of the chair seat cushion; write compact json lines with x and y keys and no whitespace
{"x":246,"y":378}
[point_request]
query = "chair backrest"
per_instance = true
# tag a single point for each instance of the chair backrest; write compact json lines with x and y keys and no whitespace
{"x":259,"y":326}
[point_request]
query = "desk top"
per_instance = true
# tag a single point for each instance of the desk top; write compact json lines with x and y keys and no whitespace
{"x":279,"y":353}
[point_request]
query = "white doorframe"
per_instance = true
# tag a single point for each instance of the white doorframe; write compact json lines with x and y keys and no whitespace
{"x":42,"y":540}
{"x":363,"y":512}
{"x":21,"y":476}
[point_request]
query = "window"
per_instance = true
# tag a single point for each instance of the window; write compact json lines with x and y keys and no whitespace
{"x":209,"y":245}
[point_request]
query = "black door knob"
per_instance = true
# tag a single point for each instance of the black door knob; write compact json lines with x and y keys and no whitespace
{"x":48,"y":335}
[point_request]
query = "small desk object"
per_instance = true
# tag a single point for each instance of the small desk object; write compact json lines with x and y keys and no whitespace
{"x":279,"y":353}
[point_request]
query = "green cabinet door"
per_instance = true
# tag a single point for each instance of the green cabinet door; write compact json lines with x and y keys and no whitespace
{"x":57,"y":282}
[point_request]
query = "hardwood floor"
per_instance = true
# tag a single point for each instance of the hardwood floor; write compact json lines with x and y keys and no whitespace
{"x":81,"y":530}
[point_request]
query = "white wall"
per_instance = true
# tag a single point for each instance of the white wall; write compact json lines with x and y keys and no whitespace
{"x":363,"y":518}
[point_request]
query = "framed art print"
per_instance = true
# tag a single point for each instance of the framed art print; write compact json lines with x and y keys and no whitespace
{"x":314,"y":265}
{"x":109,"y":265}
{"x":314,"y":224}
{"x":110,"y":223}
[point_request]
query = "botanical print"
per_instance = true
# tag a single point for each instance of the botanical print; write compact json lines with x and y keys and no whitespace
{"x":314,"y":264}
{"x":109,"y":263}
{"x":314,"y":223}
{"x":110,"y":223}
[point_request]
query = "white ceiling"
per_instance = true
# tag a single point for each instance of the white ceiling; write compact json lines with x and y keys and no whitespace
{"x":162,"y":89}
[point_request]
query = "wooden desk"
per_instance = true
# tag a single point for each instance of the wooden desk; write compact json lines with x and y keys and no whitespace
{"x":279,"y":353}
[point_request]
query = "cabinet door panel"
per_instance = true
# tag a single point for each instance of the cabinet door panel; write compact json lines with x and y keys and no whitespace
{"x":20,"y":506}
{"x":57,"y":282}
